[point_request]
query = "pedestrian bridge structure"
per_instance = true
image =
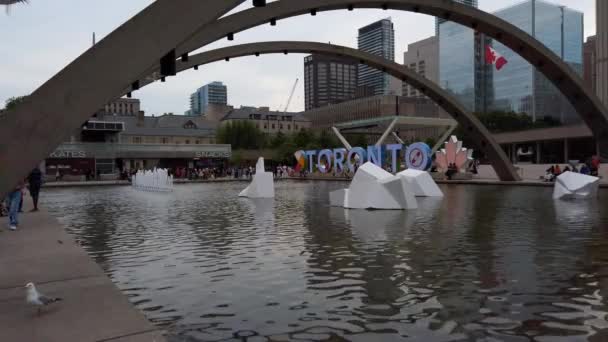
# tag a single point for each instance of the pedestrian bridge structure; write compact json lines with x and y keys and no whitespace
{"x":34,"y":128}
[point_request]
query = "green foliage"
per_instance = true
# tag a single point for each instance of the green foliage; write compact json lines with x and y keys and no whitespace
{"x":358,"y":140}
{"x":241,"y":135}
{"x":13,"y":102}
{"x":237,"y":158}
{"x":500,"y":122}
{"x":278,"y":140}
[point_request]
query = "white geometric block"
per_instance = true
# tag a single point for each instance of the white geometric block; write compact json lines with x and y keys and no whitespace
{"x":374,"y":188}
{"x":339,"y":198}
{"x":262,"y":184}
{"x":571,"y":185}
{"x":421,"y":183}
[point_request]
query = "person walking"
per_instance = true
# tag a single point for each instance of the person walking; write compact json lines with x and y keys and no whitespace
{"x":14,"y":198}
{"x":35,"y":183}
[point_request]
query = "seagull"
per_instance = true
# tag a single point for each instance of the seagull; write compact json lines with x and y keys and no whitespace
{"x":38,"y":299}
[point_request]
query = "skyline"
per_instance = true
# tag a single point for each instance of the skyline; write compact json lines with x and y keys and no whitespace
{"x":251,"y":81}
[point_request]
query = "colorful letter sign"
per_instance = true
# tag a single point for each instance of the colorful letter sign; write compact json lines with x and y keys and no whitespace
{"x":417,"y":156}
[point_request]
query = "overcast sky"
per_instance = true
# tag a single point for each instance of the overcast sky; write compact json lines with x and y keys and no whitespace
{"x":39,"y":39}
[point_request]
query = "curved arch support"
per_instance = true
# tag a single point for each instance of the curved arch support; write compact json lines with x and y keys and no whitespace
{"x":31,"y":131}
{"x":473,"y":127}
{"x":588,"y":106}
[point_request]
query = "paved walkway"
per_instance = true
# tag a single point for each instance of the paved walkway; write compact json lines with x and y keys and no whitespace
{"x":93,"y":309}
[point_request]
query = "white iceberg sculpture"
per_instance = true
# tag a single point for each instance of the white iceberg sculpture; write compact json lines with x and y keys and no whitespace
{"x":262,"y":185}
{"x":570,"y":185}
{"x":421,"y":183}
{"x":153,"y":180}
{"x":374,"y":188}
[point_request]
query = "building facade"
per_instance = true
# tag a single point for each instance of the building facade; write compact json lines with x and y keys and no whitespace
{"x":519,"y":87}
{"x":212,"y":93}
{"x":109,"y":144}
{"x":379,"y":39}
{"x":122,"y":107}
{"x":269,"y":122}
{"x":590,"y":63}
{"x":328,"y":80}
{"x":379,"y":106}
{"x":422,"y":57}
{"x":439,"y":21}
{"x":462,"y":71}
{"x":602,"y":50}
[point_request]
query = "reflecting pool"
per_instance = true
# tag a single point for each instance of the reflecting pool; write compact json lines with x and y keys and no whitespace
{"x":483,"y":264}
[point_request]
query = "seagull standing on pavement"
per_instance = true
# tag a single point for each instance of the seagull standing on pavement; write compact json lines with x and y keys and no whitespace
{"x":38,"y":299}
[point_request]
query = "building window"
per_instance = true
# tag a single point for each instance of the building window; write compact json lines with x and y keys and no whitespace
{"x":187,"y":142}
{"x":164,"y":140}
{"x":198,"y":142}
{"x":265,"y":126}
{"x":137,"y":140}
{"x":272,"y":126}
{"x":280,"y":126}
{"x":295,"y":127}
{"x":257,"y":126}
{"x":289,"y":127}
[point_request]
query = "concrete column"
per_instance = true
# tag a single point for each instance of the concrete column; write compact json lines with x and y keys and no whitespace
{"x":538,"y":152}
{"x":514,"y":153}
{"x":566,"y":152}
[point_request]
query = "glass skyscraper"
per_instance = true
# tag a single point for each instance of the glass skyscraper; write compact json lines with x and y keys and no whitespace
{"x":461,"y":68}
{"x":519,"y":87}
{"x":212,"y":93}
{"x":379,"y":39}
{"x":439,"y":21}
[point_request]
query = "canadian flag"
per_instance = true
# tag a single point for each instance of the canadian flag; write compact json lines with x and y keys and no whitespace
{"x":495,"y":58}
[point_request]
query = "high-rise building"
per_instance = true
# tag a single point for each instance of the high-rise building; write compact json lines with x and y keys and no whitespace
{"x":602,"y":49}
{"x":438,"y":21}
{"x":519,"y":86}
{"x":379,"y":39}
{"x":422,"y":57}
{"x":590,"y":63}
{"x":328,"y":80}
{"x":212,"y":93}
{"x":461,"y":68}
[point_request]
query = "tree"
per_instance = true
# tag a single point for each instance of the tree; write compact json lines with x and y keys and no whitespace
{"x":327,"y":140}
{"x":12,"y":102}
{"x":241,"y":135}
{"x":303,"y":138}
{"x":278,"y":140}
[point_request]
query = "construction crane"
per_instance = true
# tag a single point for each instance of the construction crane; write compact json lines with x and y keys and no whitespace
{"x":293,"y":90}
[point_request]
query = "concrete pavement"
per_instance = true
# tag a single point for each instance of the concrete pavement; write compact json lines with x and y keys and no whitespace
{"x":93,"y":309}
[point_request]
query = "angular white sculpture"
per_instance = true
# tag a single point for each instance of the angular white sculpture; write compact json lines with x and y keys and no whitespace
{"x":421,"y":183}
{"x":374,"y":188}
{"x":571,"y":185}
{"x":262,"y":185}
{"x":153,"y":180}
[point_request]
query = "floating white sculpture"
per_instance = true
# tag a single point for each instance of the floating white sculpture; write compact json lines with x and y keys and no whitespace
{"x":421,"y":183}
{"x":374,"y":188}
{"x":571,"y":185}
{"x":262,"y":185}
{"x":155,"y":180}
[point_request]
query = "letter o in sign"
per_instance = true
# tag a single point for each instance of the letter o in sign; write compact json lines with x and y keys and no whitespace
{"x":324,"y":168}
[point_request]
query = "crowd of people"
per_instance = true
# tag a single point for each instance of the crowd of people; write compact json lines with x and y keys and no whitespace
{"x":590,"y":168}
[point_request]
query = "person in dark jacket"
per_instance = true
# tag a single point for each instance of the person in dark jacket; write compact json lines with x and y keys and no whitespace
{"x":35,"y":182}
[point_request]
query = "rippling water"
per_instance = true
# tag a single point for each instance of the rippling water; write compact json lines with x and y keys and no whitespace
{"x":483,"y":264}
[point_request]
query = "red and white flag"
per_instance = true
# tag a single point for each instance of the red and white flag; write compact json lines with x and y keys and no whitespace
{"x":495,"y":58}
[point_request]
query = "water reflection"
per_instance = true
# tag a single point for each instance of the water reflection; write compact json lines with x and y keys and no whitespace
{"x":484,"y":263}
